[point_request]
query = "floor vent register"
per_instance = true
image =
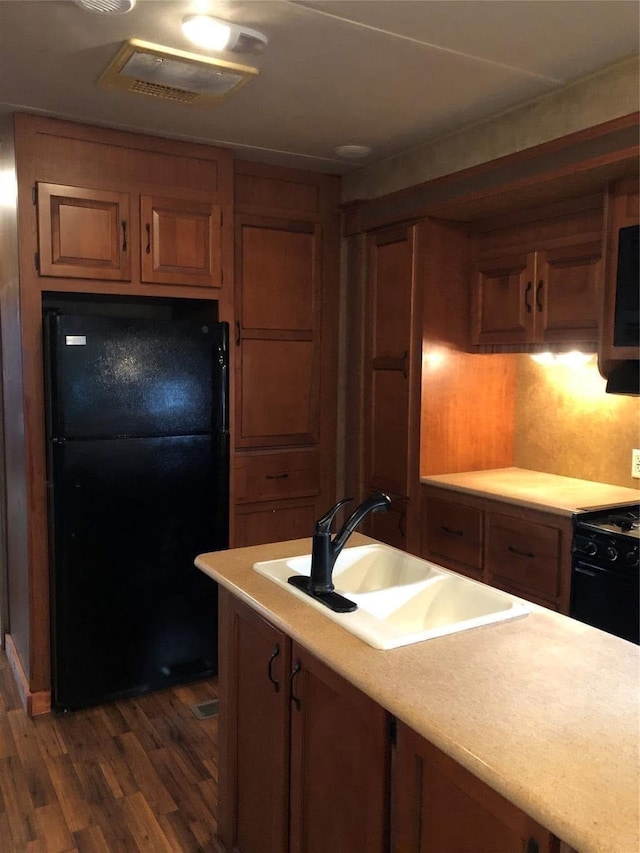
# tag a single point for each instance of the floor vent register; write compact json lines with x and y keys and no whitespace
{"x":205,"y":710}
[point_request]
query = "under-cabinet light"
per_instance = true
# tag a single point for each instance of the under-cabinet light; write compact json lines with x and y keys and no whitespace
{"x":575,"y":358}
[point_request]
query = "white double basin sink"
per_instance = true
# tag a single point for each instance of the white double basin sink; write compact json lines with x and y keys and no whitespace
{"x":400,"y":598}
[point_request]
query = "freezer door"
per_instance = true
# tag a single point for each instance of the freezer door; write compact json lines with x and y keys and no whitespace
{"x":130,"y":612}
{"x":115,"y":376}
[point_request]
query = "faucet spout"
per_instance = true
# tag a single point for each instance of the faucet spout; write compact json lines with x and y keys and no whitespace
{"x":377,"y":502}
{"x":326,"y":549}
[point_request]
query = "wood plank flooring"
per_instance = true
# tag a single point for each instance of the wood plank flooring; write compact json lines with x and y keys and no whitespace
{"x":134,"y":775}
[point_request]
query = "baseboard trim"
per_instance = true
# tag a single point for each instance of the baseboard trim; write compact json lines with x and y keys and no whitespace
{"x":34,"y":703}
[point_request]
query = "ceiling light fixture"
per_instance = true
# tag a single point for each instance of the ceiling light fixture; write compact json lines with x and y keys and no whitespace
{"x":107,"y":7}
{"x":353,"y":152}
{"x":214,"y":34}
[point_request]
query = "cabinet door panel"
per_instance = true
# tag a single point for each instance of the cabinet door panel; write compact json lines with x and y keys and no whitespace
{"x":453,"y":536}
{"x":274,"y":476}
{"x":254,"y":725}
{"x":389,"y":428}
{"x":278,"y":396}
{"x":568,"y":293}
{"x":278,"y":277}
{"x":257,"y":524}
{"x":339,"y":764}
{"x":524,"y":553}
{"x":503,"y":300}
{"x":181,"y":242}
{"x":83,"y":233}
{"x":391,"y":281}
{"x":439,"y":807}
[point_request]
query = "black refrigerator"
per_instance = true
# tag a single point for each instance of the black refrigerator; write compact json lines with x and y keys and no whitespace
{"x":138,"y":456}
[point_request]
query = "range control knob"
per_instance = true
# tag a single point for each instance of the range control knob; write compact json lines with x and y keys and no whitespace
{"x":631,"y":557}
{"x":611,"y":553}
{"x":590,"y":549}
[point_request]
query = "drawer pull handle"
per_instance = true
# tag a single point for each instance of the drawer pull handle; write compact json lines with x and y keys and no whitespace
{"x":528,"y":554}
{"x":451,"y":531}
{"x":274,"y":655}
{"x":527,"y":291}
{"x":277,"y":476}
{"x":296,"y":669}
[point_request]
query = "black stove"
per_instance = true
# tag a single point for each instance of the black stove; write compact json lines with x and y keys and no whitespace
{"x":604,"y":584}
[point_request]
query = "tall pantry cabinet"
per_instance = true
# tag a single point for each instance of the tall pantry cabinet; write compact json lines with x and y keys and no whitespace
{"x":286,"y":343}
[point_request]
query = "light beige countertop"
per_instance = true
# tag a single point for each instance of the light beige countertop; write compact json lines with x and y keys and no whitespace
{"x":534,"y":489}
{"x":542,"y":708}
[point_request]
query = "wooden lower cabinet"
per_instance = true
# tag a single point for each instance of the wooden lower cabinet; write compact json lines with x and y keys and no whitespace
{"x":309,"y":764}
{"x":523,"y":551}
{"x":304,"y":755}
{"x":439,"y":807}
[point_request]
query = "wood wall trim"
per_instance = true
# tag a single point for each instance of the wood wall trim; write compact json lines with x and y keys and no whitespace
{"x":577,"y":164}
{"x":33,"y":703}
{"x":43,"y":126}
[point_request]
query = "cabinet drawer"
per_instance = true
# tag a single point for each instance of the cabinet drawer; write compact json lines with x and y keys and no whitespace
{"x":453,"y":534}
{"x":272,"y":476}
{"x":525,"y":553}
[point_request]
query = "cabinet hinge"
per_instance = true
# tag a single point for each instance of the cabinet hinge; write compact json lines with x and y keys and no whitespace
{"x":393,"y":731}
{"x":34,"y":193}
{"x":36,"y":261}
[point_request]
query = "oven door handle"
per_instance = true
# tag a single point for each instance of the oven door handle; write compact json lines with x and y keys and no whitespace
{"x":582,"y":571}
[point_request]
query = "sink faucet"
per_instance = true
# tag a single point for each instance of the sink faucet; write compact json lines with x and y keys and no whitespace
{"x":326,"y":549}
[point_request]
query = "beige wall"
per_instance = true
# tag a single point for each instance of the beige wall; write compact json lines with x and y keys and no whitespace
{"x":613,"y":92}
{"x":566,"y":424}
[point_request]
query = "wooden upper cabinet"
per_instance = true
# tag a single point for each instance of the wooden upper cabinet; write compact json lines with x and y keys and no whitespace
{"x":538,"y":275}
{"x":567,"y":299}
{"x":83,"y":233}
{"x":181,"y":242}
{"x":503,"y":300}
{"x":539,"y":297}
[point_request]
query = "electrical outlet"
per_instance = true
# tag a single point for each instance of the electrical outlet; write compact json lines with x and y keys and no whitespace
{"x":635,"y":463}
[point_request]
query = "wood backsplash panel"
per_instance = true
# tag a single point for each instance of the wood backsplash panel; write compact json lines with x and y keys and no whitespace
{"x":566,"y":424}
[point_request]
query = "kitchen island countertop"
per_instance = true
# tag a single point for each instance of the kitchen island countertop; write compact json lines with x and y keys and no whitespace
{"x":535,"y":489}
{"x":542,"y":708}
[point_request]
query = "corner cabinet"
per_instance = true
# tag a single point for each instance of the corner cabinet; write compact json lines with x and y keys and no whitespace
{"x":440,"y":807}
{"x":304,"y":756}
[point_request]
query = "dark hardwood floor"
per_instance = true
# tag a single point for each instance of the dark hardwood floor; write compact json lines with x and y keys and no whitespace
{"x":139,"y":774}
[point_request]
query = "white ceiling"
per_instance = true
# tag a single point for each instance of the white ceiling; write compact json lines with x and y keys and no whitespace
{"x":389,"y":74}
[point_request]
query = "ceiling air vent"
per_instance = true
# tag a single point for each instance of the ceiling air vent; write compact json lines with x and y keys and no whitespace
{"x":174,"y":75}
